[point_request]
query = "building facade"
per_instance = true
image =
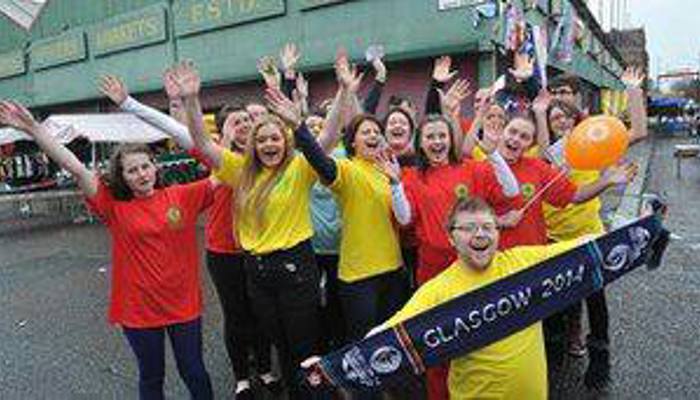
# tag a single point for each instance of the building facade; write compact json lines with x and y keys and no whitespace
{"x":54,"y":67}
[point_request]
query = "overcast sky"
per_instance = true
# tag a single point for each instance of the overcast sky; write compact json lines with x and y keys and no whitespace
{"x":673,"y":32}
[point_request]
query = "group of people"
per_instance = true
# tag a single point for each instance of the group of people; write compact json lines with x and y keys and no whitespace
{"x":322,"y":221}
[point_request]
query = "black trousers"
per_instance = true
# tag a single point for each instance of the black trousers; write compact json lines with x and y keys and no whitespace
{"x":242,"y":332}
{"x":331,"y":311}
{"x":284,"y":290}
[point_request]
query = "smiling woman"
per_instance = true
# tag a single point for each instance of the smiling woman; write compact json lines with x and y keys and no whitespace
{"x":155,"y":263}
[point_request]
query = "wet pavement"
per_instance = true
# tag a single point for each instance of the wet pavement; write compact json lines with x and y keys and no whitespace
{"x":55,"y":342}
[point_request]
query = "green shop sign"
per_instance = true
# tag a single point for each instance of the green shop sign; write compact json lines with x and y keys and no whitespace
{"x":58,"y":50}
{"x":12,"y":63}
{"x":192,"y":16}
{"x":307,"y":4}
{"x":129,"y":30}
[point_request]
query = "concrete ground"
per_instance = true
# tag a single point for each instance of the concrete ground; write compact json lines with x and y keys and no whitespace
{"x":55,"y":342}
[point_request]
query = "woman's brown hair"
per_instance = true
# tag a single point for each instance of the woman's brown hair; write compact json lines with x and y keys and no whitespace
{"x":115,"y":172}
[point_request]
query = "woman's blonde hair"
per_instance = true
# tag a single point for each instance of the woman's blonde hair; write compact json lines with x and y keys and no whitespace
{"x":251,"y":197}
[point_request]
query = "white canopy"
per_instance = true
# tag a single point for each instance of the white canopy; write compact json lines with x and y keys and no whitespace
{"x":10,"y":135}
{"x":117,"y":127}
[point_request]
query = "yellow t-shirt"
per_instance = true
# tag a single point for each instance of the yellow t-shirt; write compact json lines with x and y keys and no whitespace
{"x":575,"y":220}
{"x":511,"y":368}
{"x":479,"y":155}
{"x":369,"y":243}
{"x":286,"y":220}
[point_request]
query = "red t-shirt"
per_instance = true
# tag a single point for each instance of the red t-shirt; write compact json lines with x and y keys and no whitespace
{"x":534,"y":174}
{"x":155,"y":262}
{"x":432,"y":194}
{"x":218,"y":232}
{"x":219,"y":229}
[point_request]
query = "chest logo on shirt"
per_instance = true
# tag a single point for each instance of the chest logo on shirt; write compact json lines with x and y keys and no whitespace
{"x":461,"y":191}
{"x":528,"y":190}
{"x":174,"y":217}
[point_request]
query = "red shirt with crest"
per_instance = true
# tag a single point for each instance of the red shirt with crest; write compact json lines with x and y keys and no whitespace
{"x":155,"y":263}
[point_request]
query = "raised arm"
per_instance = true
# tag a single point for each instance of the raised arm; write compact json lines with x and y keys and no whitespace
{"x":633,"y":79}
{"x":375,"y":92}
{"x":17,"y":116}
{"x":539,"y":107}
{"x":451,"y":106}
{"x":442,"y":74}
{"x":112,"y":87}
{"x":187,"y":79}
{"x":345,"y":105}
{"x":620,"y":174}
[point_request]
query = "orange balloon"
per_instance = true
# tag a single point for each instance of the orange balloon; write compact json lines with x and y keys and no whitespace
{"x":596,"y":143}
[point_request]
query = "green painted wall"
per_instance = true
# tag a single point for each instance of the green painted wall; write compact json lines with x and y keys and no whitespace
{"x":226,"y":37}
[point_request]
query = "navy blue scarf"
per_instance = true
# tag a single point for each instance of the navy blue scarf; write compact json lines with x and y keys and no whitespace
{"x":488,"y":314}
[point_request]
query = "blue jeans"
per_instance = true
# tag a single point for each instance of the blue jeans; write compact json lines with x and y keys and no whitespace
{"x":148,"y":345}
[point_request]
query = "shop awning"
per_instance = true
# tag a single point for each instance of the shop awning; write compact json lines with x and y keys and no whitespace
{"x":11,"y":135}
{"x":103,"y":128}
{"x":115,"y":128}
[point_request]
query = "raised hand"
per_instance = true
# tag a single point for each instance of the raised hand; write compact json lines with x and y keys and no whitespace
{"x":17,"y":116}
{"x":452,"y":100}
{"x":379,"y":69}
{"x":170,"y":84}
{"x":302,"y":86}
{"x":387,"y":164}
{"x":441,"y":70}
{"x":269,"y":71}
{"x":187,"y":79}
{"x":523,"y":67}
{"x":633,"y":78}
{"x":286,"y":109}
{"x":347,"y":74}
{"x":621,"y":174}
{"x":112,"y":87}
{"x":289,"y":57}
{"x":541,"y":102}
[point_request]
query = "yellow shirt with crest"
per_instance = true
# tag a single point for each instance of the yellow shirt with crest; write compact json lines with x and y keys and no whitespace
{"x":369,"y":243}
{"x":286,"y":220}
{"x":514,"y":367}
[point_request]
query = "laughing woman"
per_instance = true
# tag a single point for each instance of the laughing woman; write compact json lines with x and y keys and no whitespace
{"x":272,"y":188}
{"x":155,"y":263}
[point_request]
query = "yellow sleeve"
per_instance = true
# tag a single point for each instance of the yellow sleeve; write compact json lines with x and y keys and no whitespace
{"x":231,"y":165}
{"x":342,"y":176}
{"x":528,"y":256}
{"x":425,"y":298}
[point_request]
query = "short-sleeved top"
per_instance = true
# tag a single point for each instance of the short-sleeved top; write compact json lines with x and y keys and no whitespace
{"x":511,"y":368}
{"x":218,"y":233}
{"x":533,"y":175}
{"x":433,"y":192}
{"x":286,"y":220}
{"x":155,"y":262}
{"x":575,"y":220}
{"x":369,"y":243}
